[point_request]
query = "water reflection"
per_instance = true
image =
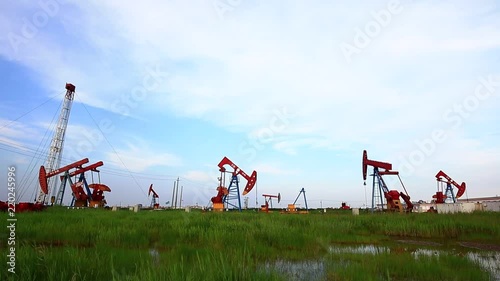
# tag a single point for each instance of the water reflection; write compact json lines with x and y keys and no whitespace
{"x":315,"y":269}
{"x":487,"y":260}
{"x":364,"y":249}
{"x":298,"y":271}
{"x":155,"y":256}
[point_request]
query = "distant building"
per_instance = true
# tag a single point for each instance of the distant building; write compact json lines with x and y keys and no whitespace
{"x":480,"y":199}
{"x":488,"y":203}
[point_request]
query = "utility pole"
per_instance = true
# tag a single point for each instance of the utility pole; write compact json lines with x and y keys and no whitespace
{"x":256,"y":198}
{"x":180,"y":202}
{"x":173,"y":192}
{"x":176,"y":192}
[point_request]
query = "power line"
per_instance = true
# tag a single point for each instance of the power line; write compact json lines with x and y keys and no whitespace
{"x":107,"y":170}
{"x":29,"y":111}
{"x":114,"y":150}
{"x":37,"y":154}
{"x":32,"y":164}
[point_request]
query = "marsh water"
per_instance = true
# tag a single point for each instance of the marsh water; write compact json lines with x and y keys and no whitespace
{"x":315,"y":270}
{"x":487,"y":257}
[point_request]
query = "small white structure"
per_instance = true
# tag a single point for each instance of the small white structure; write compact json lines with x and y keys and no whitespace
{"x":137,"y":208}
{"x":455,"y":208}
{"x":491,"y":206}
{"x":424,"y":207}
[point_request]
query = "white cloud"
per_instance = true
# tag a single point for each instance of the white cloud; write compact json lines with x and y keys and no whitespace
{"x":138,"y":156}
{"x":15,"y":130}
{"x":15,"y":135}
{"x":258,"y":65}
{"x":236,"y":72}
{"x":199,"y":176}
{"x":273,"y":169}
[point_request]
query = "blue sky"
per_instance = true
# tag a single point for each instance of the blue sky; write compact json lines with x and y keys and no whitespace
{"x":295,"y":91}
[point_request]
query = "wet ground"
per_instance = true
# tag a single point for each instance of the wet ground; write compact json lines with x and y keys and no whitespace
{"x":472,"y":245}
{"x":487,"y":256}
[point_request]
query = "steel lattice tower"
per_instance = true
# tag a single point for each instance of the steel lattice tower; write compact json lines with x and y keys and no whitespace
{"x":57,"y":144}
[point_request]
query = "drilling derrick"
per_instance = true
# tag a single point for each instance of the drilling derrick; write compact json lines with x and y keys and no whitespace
{"x":57,"y":144}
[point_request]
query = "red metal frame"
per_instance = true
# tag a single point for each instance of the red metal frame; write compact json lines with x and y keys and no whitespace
{"x":237,"y":171}
{"x":272,"y":196}
{"x":460,"y":187}
{"x":267,"y":199}
{"x":154,"y":203}
{"x":43,"y":175}
{"x":367,"y":162}
{"x":77,"y":188}
{"x":78,"y":192}
{"x":92,"y":167}
{"x":151,"y":190}
{"x":390,"y":195}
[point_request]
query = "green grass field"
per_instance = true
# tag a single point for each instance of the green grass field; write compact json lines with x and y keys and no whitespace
{"x":61,"y":244}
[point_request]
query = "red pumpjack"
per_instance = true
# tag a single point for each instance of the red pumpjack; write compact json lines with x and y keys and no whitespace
{"x":440,"y":196}
{"x":154,"y":200}
{"x":80,"y":197}
{"x":268,"y":201}
{"x":224,"y":192}
{"x":392,"y":196}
